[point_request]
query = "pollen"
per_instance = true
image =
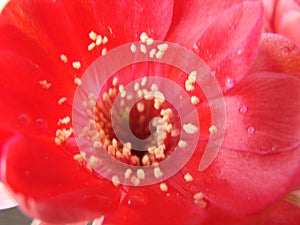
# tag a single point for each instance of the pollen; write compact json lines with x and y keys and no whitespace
{"x":62,"y":135}
{"x":91,"y":46}
{"x":144,"y":37}
{"x":128,"y":173}
{"x":62,"y":100}
{"x":77,"y":81}
{"x":143,"y":48}
{"x":188,"y":177}
{"x":93,"y":162}
{"x":45,"y":84}
{"x":157,"y":172}
{"x":150,"y":41}
{"x":200,"y":200}
{"x":195,"y":100}
{"x":104,"y":51}
{"x":163,"y":187}
{"x":152,"y":53}
{"x":98,"y":40}
{"x":213,"y":129}
{"x":116,"y":180}
{"x":93,"y":35}
{"x":182,"y":144}
{"x":64,"y":120}
{"x":104,"y":40}
{"x":115,"y":81}
{"x":190,"y":128}
{"x":189,"y":85}
{"x":79,"y":158}
{"x":193,"y":76}
{"x":140,"y":174}
{"x":63,"y":58}
{"x":163,"y":47}
{"x":76,"y":65}
{"x":133,"y":48}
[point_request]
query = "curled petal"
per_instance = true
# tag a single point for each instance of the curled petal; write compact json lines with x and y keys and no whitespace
{"x":49,"y":184}
{"x":277,"y":54}
{"x":229,"y":44}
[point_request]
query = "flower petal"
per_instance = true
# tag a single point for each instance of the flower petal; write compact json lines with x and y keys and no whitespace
{"x":263,"y":114}
{"x":183,"y":29}
{"x":25,"y":102}
{"x":257,"y":166}
{"x":245,"y":183}
{"x":136,"y":17}
{"x":277,"y":54}
{"x":229,"y":44}
{"x":50,"y":185}
{"x":6,"y":201}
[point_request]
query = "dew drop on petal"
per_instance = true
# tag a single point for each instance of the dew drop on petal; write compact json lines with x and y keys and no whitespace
{"x":251,"y":130}
{"x":230,"y":82}
{"x":243,"y":109}
{"x":40,"y":123}
{"x":24,"y":119}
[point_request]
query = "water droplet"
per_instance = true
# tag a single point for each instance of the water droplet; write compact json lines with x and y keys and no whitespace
{"x":243,"y":109}
{"x":232,"y":26}
{"x":251,"y":130}
{"x":240,"y":52}
{"x":24,"y":119}
{"x":230,"y":82}
{"x":40,"y":123}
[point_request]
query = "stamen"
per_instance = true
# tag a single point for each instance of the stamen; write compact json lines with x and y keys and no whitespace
{"x":45,"y":84}
{"x":163,"y":187}
{"x":76,"y":65}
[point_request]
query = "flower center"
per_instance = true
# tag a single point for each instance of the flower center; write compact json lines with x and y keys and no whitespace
{"x":146,"y":125}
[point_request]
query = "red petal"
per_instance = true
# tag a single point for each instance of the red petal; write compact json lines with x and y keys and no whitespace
{"x":183,"y":29}
{"x":245,"y":183}
{"x":152,"y":17}
{"x":49,"y":184}
{"x":263,"y":114}
{"x":230,"y":42}
{"x":277,"y":54}
{"x":24,"y":102}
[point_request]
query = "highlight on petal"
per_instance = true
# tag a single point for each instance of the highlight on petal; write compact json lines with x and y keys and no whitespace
{"x":277,"y":54}
{"x":98,"y":221}
{"x":229,"y":44}
{"x":52,"y":186}
{"x":263,"y":114}
{"x":6,"y":201}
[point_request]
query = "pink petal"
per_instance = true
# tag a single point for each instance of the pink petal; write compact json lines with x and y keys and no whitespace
{"x":263,"y":114}
{"x":277,"y":54}
{"x":183,"y":29}
{"x":6,"y":201}
{"x":229,"y":44}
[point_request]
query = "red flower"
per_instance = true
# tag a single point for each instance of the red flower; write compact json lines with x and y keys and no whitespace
{"x":48,"y":46}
